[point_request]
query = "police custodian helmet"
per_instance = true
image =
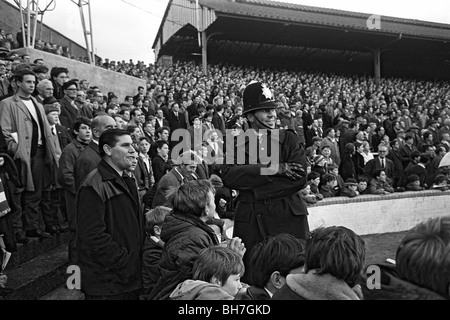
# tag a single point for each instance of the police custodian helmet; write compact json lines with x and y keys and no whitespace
{"x":258,"y":96}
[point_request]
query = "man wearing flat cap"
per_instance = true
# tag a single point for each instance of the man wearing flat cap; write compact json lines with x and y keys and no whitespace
{"x":51,"y":195}
{"x":69,"y":110}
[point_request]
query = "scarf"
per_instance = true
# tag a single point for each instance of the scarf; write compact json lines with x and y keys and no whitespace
{"x":4,"y":206}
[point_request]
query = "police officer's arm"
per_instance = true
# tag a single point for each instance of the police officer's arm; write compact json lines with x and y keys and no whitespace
{"x":280,"y":186}
{"x":92,"y":231}
{"x":242,"y":177}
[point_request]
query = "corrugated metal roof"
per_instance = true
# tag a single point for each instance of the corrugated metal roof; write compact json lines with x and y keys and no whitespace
{"x":294,"y":13}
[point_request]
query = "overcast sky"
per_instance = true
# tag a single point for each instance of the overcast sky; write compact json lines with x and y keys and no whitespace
{"x":126,"y":29}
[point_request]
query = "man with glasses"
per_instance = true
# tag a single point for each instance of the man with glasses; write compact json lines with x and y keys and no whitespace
{"x":83,"y":105}
{"x":69,"y":110}
{"x":380,"y":162}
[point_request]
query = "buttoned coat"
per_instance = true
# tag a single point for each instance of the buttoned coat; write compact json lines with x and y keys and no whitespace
{"x":16,"y":119}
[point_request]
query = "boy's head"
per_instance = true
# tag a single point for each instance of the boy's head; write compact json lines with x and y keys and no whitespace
{"x":351,"y":184}
{"x":82,"y":129}
{"x":273,"y":259}
{"x":413,"y":179}
{"x":440,"y":180}
{"x":144,"y":145}
{"x":307,"y":189}
{"x":314,"y":178}
{"x":337,"y":251}
{"x":326,"y":151}
{"x":362,"y":184}
{"x":333,"y":169}
{"x":154,"y":219}
{"x":329,"y":180}
{"x":423,"y":257}
{"x":221,"y":266}
{"x":52,"y":113}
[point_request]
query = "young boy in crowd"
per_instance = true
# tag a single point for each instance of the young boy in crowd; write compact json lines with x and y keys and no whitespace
{"x":350,"y":189}
{"x":362,"y":185}
{"x":334,"y":170}
{"x":440,"y":183}
{"x":270,"y":262}
{"x":153,"y":245}
{"x":413,"y":183}
{"x":328,"y":185}
{"x":216,"y":276}
{"x":334,"y":259}
{"x":308,"y":196}
{"x":314,"y":182}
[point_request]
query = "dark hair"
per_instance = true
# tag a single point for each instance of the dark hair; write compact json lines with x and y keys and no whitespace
{"x":131,"y":128}
{"x":218,"y":262}
{"x":133,"y":112}
{"x":313,"y":175}
{"x":413,"y":177}
{"x":282,"y":252}
{"x":80,"y":121}
{"x":337,"y":251}
{"x":19,"y":75}
{"x":327,"y":132}
{"x":56,"y":71}
{"x":423,"y":256}
{"x":161,"y":129}
{"x":440,"y":178}
{"x":109,"y":137}
{"x":327,"y":177}
{"x":377,"y":172}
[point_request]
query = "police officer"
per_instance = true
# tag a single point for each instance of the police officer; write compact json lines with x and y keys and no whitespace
{"x":270,"y":178}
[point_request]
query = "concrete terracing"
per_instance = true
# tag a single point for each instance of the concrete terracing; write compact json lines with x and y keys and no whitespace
{"x":107,"y":80}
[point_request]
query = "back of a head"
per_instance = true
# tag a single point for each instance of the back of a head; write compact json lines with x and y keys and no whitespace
{"x":191,"y":198}
{"x":217,"y":263}
{"x":337,"y":251}
{"x":281,"y":253}
{"x":423,"y":257}
{"x":155,"y":217}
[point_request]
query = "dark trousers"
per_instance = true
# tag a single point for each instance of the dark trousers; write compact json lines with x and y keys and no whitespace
{"x":28,"y":202}
{"x":50,"y":207}
{"x":71,"y":205}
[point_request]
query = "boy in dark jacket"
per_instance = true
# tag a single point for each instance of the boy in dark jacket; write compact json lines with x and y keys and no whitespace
{"x":334,"y":258}
{"x":153,"y":246}
{"x":329,"y":183}
{"x":350,"y":189}
{"x":270,"y":263}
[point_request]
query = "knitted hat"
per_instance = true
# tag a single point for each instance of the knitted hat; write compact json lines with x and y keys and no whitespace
{"x":351,"y":182}
{"x":51,"y":108}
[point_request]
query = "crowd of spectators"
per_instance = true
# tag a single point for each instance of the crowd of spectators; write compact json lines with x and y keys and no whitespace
{"x":359,"y":137}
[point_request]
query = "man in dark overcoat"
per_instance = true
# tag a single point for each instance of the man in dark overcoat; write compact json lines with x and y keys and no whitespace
{"x":270,"y":177}
{"x":110,"y":231}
